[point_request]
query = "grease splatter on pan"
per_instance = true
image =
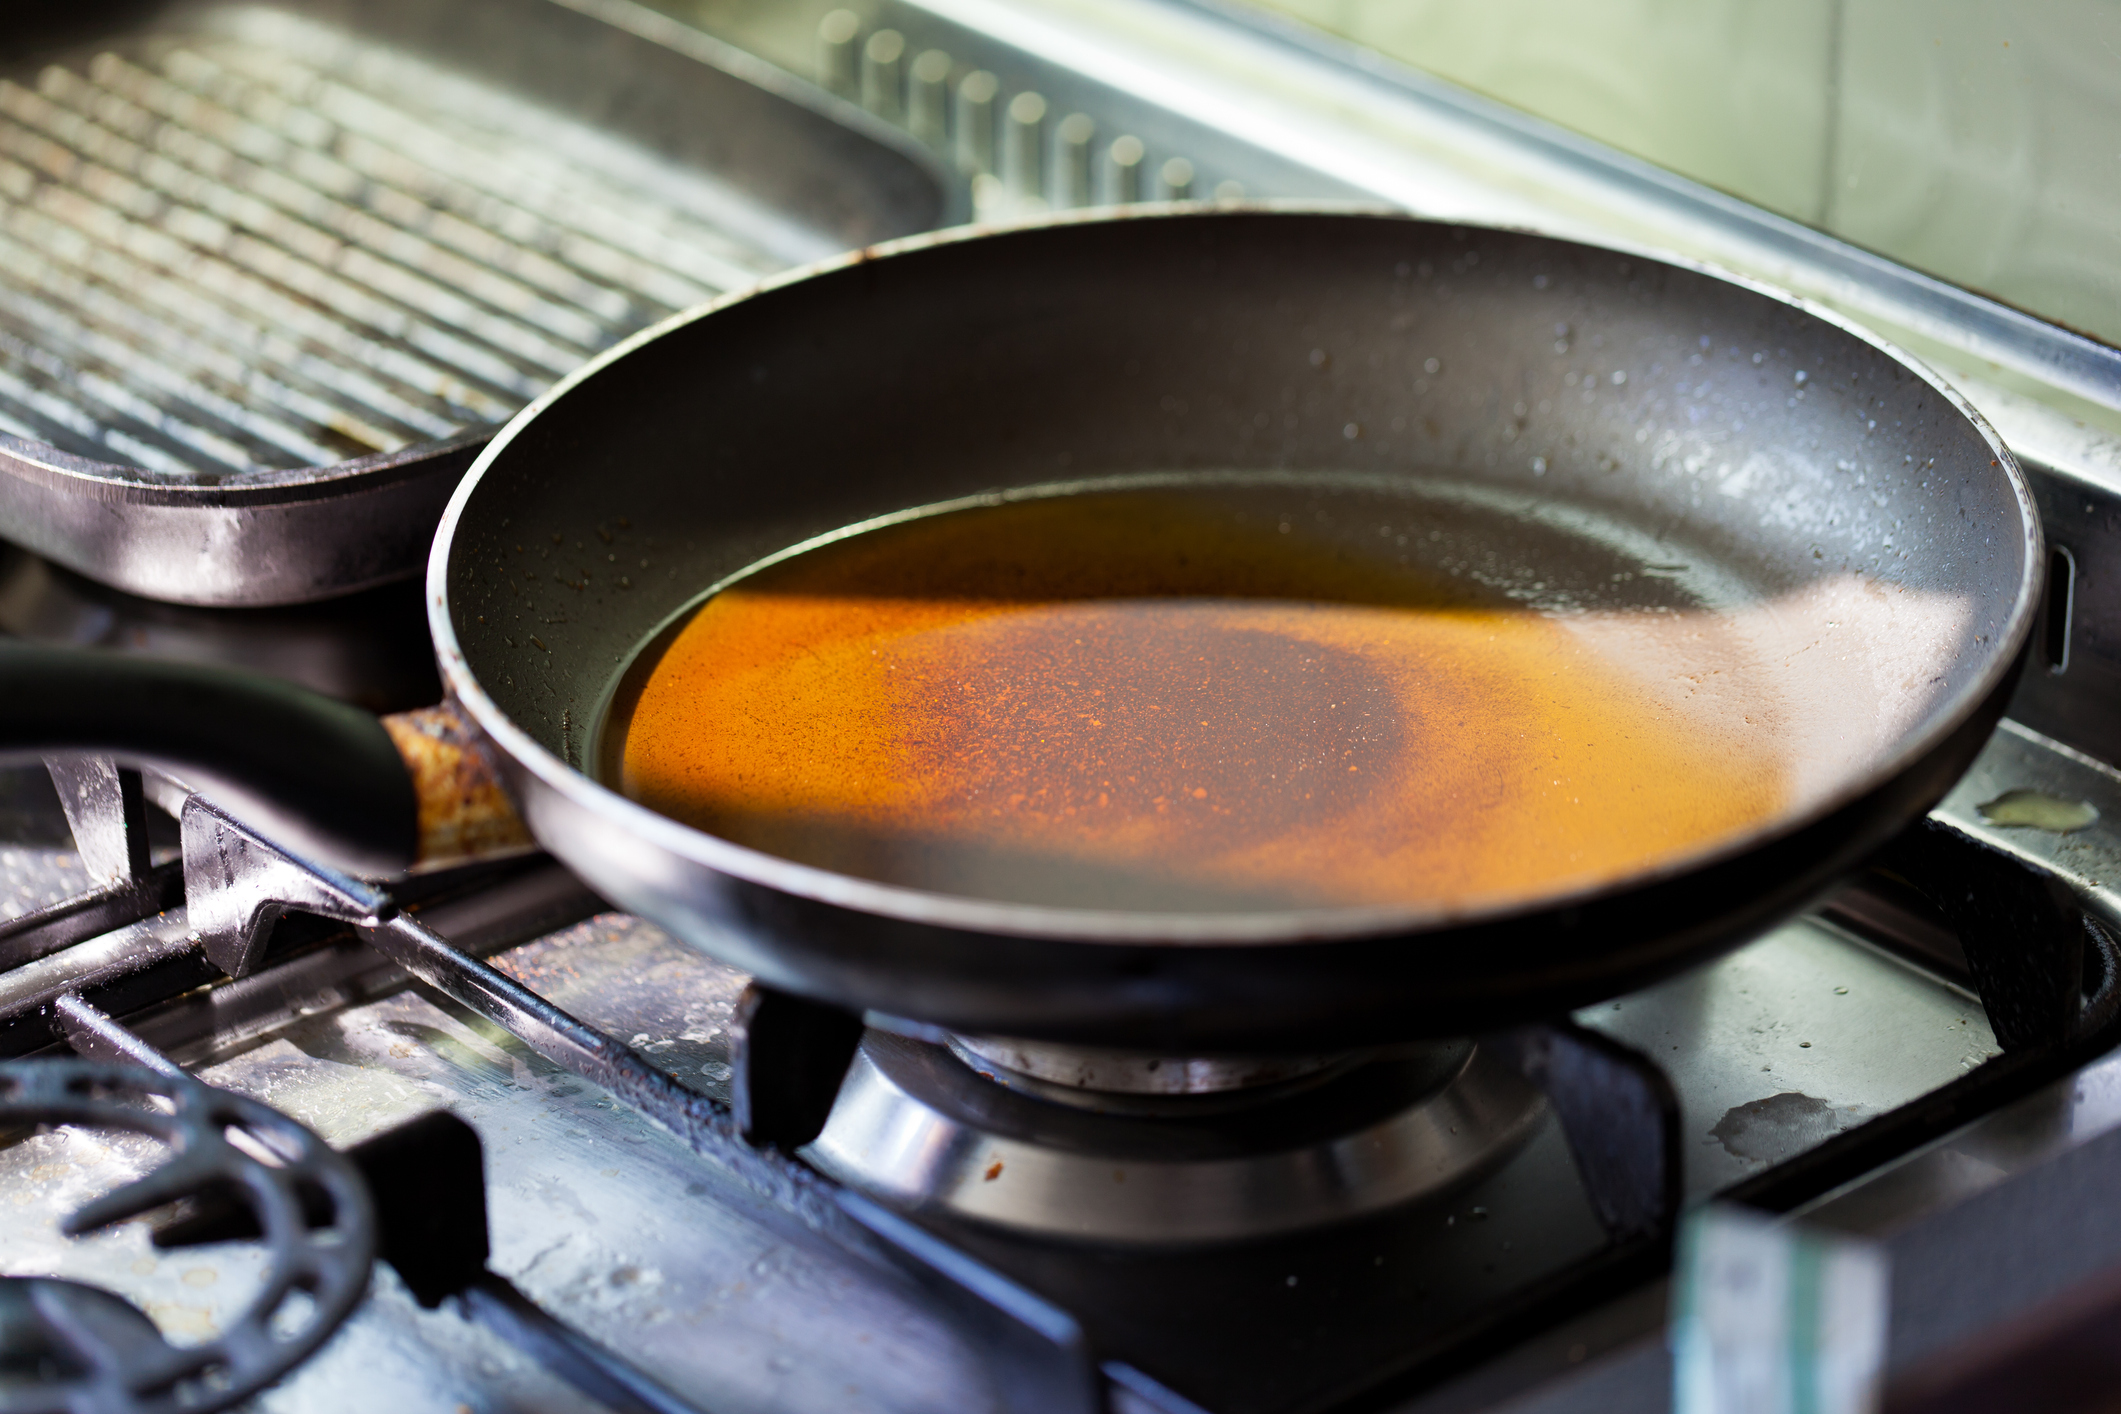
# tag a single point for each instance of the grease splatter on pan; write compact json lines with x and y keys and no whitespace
{"x":1222,"y":697}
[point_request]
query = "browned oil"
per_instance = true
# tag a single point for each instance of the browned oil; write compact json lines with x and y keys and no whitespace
{"x":1218,"y":698}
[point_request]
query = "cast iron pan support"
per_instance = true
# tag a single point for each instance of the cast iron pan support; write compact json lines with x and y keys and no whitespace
{"x":238,"y":884}
{"x":2048,"y":972}
{"x":1039,"y":1356}
{"x":790,"y":1055}
{"x":1620,"y":1117}
{"x":93,"y":1033}
{"x":106,"y":808}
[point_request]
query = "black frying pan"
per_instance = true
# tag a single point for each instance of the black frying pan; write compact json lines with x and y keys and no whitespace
{"x":1814,"y":479}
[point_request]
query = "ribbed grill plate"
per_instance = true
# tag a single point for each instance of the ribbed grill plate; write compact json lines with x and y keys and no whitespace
{"x":271,"y":244}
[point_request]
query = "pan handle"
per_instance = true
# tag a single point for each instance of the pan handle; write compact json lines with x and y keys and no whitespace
{"x":464,"y":812}
{"x":319,"y":777}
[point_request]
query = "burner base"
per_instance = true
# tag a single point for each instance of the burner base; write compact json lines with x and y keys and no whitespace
{"x":918,"y":1127}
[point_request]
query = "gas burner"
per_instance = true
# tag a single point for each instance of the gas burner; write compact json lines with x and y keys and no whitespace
{"x":1275,"y":1147}
{"x":65,"y":1346}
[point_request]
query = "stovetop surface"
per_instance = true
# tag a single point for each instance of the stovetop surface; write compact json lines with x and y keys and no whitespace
{"x":617,"y":1227}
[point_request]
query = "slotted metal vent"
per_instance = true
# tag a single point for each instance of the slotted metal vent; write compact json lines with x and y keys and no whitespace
{"x":289,"y":248}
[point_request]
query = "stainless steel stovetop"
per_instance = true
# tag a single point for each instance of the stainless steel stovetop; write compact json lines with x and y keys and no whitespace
{"x":1842,"y":1068}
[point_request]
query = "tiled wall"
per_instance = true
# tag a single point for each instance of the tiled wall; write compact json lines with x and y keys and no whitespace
{"x":1976,"y":139}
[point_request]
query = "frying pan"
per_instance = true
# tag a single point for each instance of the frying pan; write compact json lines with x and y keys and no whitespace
{"x":1857,"y":513}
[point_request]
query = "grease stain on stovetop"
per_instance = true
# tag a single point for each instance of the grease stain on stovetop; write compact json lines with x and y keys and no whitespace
{"x":1769,"y":1130}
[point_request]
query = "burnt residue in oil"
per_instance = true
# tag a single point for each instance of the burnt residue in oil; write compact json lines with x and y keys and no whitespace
{"x":1237,"y":697}
{"x":1115,"y":713}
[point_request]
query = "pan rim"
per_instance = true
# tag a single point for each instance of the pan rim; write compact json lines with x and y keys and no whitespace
{"x":1195,"y":929}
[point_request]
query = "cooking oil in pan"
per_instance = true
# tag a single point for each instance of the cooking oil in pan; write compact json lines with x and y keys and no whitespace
{"x":1224,"y":696}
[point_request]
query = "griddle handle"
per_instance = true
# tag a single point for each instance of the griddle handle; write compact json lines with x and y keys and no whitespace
{"x":322,"y":778}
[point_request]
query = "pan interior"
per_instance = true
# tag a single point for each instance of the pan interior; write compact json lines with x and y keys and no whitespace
{"x":1254,"y":692}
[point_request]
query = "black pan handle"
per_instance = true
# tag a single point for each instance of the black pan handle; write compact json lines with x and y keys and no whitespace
{"x":315,"y":775}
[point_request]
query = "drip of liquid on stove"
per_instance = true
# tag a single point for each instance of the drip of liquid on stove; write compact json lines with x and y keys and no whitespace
{"x":1224,"y":697}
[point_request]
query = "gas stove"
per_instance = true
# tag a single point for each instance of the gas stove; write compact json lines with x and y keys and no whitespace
{"x":700,"y":1194}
